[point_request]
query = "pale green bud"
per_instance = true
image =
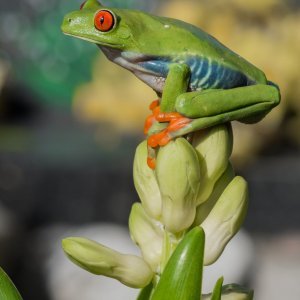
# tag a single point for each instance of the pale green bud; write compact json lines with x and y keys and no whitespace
{"x":148,"y":234}
{"x":145,"y":182}
{"x":232,"y":292}
{"x":131,"y":270}
{"x":236,"y":292}
{"x":204,"y":209}
{"x":178,"y":176}
{"x":225,"y":219}
{"x":214,"y":147}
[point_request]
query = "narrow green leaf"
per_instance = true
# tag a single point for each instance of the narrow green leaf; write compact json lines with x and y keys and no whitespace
{"x":145,"y":293}
{"x":217,"y":292}
{"x":182,"y":277}
{"x":8,"y":291}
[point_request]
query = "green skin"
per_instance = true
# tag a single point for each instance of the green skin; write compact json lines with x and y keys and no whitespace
{"x":149,"y":36}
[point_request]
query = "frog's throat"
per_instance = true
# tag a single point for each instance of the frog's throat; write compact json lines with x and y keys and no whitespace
{"x":133,"y":62}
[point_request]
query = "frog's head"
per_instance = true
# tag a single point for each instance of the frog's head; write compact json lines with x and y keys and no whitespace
{"x":131,"y":38}
{"x":124,"y":29}
{"x":114,"y":28}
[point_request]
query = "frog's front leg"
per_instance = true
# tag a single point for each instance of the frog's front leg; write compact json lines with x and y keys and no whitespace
{"x":163,"y":115}
{"x":163,"y":110}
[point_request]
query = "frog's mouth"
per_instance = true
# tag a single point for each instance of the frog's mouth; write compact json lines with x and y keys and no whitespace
{"x":85,"y":38}
{"x":150,"y":69}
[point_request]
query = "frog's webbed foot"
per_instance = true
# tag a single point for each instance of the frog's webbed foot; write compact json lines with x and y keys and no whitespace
{"x":175,"y":122}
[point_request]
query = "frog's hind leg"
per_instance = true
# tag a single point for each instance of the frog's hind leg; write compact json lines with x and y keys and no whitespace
{"x":212,"y":107}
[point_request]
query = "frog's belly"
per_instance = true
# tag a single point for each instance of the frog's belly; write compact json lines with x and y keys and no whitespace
{"x":155,"y":82}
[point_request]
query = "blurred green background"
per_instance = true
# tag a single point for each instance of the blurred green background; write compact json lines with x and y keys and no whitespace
{"x":70,"y":121}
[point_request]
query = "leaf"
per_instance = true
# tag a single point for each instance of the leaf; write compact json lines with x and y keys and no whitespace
{"x":182,"y":277}
{"x":8,"y":291}
{"x":145,"y":293}
{"x":217,"y":292}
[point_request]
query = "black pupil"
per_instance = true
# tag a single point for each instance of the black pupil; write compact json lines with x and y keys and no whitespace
{"x":102,"y":20}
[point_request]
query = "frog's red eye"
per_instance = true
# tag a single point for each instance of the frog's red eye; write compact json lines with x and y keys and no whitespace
{"x":104,"y":20}
{"x":82,"y":5}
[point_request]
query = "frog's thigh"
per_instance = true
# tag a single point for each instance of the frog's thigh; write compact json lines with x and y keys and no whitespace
{"x":218,"y":106}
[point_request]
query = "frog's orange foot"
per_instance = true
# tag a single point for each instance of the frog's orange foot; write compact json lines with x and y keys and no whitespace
{"x":174,"y":118}
{"x":159,"y":139}
{"x":162,"y":138}
{"x":165,"y":116}
{"x":176,"y":122}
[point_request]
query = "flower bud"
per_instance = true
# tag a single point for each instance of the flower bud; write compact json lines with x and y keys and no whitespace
{"x":204,"y":209}
{"x":225,"y":219}
{"x":214,"y":147}
{"x":147,"y":234}
{"x":232,"y":292}
{"x":145,"y":183}
{"x":178,"y":176}
{"x":131,"y":270}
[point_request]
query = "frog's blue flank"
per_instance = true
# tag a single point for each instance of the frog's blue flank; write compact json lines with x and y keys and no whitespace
{"x":205,"y":73}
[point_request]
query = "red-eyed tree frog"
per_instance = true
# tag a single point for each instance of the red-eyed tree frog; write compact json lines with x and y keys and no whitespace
{"x":199,"y":81}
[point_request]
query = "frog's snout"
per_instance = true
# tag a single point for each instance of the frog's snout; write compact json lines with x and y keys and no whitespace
{"x":67,"y":23}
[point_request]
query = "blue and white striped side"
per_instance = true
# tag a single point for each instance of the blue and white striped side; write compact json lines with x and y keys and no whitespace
{"x":205,"y":73}
{"x":208,"y":74}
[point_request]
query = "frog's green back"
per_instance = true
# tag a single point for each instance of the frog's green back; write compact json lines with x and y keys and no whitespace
{"x":179,"y":38}
{"x":148,"y":35}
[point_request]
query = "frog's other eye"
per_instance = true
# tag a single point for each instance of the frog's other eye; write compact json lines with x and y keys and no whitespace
{"x":82,"y":5}
{"x":104,"y":20}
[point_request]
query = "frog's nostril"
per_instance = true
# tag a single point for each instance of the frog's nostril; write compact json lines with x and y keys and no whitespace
{"x":69,"y":20}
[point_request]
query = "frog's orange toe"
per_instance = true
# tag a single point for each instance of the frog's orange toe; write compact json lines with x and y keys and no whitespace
{"x":159,"y":139}
{"x":154,"y":139}
{"x":167,"y":117}
{"x":154,"y":107}
{"x":154,"y":104}
{"x":148,"y":123}
{"x":165,"y":139}
{"x":178,"y":123}
{"x":151,"y":162}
